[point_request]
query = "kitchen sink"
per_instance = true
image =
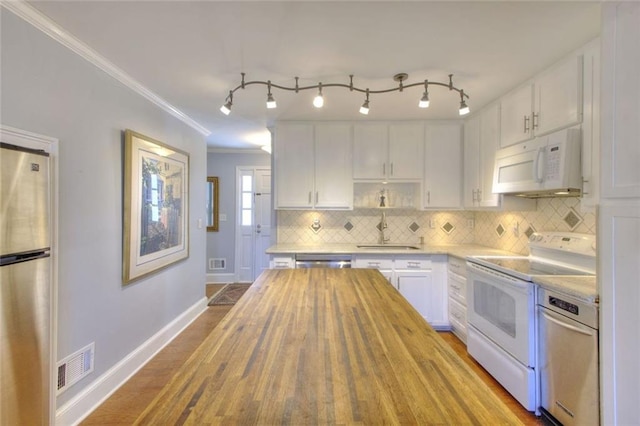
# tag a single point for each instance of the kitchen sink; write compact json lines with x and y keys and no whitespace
{"x":387,"y":247}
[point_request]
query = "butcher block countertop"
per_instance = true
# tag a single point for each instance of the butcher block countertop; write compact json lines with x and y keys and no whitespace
{"x":325,"y":346}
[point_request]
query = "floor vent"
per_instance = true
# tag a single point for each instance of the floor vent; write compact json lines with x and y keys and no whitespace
{"x":217,"y":263}
{"x":75,"y":367}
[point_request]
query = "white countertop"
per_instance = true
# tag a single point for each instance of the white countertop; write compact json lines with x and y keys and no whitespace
{"x":578,"y":286}
{"x":458,"y":250}
{"x":581,"y":287}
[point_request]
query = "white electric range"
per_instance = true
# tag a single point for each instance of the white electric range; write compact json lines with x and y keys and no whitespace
{"x":502,"y":299}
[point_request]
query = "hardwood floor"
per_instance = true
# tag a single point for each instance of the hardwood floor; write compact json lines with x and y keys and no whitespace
{"x":525,"y":416}
{"x":128,"y":402}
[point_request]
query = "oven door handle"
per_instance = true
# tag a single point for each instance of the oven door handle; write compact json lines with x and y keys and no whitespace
{"x":495,"y":275}
{"x":549,"y":315}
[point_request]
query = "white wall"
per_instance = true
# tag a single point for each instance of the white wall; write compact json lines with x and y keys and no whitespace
{"x":49,"y":90}
{"x":222,"y":244}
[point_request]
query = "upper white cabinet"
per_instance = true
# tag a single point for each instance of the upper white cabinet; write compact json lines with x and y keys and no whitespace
{"x":293,"y":163}
{"x":480,"y":146}
{"x":388,"y":151}
{"x":442,"y":166}
{"x":515,"y":123}
{"x":551,"y":102}
{"x":558,"y":96}
{"x":333,"y":170}
{"x":481,"y":140}
{"x":313,"y":166}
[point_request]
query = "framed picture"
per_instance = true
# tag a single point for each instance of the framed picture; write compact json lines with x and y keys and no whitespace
{"x":156,"y":206}
{"x":212,"y":203}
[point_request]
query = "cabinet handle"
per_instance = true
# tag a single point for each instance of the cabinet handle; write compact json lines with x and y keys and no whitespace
{"x":479,"y":195}
{"x":457,"y":315}
{"x":316,"y":197}
{"x":535,"y":122}
{"x":391,"y":169}
{"x":428,"y":197}
{"x":526,"y":124}
{"x":376,"y":264}
{"x":384,"y":169}
{"x":309,"y":197}
{"x":473,"y":195}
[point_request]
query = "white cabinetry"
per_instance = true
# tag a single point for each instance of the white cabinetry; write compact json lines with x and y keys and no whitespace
{"x":388,"y":151}
{"x":420,"y":279}
{"x":313,"y":166}
{"x":442,"y":166}
{"x":591,"y":126}
{"x":619,"y":214}
{"x":551,"y":102}
{"x":515,"y":124}
{"x":480,"y":146}
{"x":481,"y":137}
{"x":282,"y":261}
{"x":457,"y":291}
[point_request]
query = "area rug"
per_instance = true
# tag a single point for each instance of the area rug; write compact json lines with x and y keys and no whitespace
{"x":229,"y":295}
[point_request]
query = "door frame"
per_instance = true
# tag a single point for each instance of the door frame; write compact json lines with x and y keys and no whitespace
{"x":240,"y":171}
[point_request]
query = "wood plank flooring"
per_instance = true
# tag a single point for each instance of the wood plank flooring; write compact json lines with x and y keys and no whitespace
{"x":126,"y":404}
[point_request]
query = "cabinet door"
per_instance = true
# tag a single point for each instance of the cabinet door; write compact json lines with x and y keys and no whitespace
{"x":489,"y":140}
{"x":443,"y":161}
{"x":333,"y":166}
{"x":406,"y":151}
{"x":370,"y":151}
{"x":620,"y":174}
{"x":558,"y":97}
{"x":415,"y":287}
{"x":515,"y":116}
{"x":293,"y":162}
{"x":471,"y":175}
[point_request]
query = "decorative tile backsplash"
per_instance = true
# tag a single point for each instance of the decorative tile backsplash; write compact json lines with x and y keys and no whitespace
{"x":441,"y":227}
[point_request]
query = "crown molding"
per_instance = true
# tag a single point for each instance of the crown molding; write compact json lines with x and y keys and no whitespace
{"x":236,"y":151}
{"x":40,"y":21}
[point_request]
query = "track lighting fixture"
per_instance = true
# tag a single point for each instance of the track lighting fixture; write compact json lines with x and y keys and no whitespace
{"x":364,"y":109}
{"x":318,"y":101}
{"x":424,"y":102}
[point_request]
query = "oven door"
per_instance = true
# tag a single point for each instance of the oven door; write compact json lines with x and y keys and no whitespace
{"x":503,"y":309}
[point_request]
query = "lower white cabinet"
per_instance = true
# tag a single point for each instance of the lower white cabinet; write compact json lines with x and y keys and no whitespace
{"x":420,"y":279}
{"x":457,"y":296}
{"x":282,"y":262}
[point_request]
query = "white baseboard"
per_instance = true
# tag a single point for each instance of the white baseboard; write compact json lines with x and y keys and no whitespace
{"x":221,"y":278}
{"x":75,"y":410}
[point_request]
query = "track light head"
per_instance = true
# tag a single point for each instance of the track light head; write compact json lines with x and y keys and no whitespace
{"x":364,"y":109}
{"x":464,"y":109}
{"x":271,"y":103}
{"x":226,"y":108}
{"x":318,"y":101}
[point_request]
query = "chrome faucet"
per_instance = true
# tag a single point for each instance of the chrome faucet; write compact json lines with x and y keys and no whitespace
{"x":383,"y":226}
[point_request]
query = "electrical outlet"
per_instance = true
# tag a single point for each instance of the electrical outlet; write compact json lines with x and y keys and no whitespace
{"x":470,"y":223}
{"x":432,"y":223}
{"x":222,"y":217}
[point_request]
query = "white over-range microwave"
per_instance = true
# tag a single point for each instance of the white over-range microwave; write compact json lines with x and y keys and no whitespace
{"x":547,"y":166}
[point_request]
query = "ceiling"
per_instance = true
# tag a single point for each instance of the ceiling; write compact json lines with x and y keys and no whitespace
{"x":191,"y":53}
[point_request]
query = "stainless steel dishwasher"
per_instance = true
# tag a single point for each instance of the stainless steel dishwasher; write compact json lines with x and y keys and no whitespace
{"x":338,"y":261}
{"x":568,"y":359}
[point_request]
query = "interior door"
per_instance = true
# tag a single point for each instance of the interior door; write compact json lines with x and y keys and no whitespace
{"x":253,"y":222}
{"x":262,"y":215}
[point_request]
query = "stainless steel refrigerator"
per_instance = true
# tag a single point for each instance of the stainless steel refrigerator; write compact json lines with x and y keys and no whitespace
{"x":25,"y":295}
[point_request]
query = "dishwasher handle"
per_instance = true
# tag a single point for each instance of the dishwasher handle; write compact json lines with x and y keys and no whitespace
{"x":554,"y":318}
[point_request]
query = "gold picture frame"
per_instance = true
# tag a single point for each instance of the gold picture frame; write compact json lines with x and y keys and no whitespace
{"x":213,"y":188}
{"x":156,"y":206}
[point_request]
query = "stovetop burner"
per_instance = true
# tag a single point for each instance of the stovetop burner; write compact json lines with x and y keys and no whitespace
{"x":552,"y":253}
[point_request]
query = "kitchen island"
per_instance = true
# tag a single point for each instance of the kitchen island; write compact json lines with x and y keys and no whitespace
{"x":325,"y":346}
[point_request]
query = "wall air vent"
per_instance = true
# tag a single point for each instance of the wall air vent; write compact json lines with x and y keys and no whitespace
{"x":217,"y":263}
{"x":75,"y":367}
